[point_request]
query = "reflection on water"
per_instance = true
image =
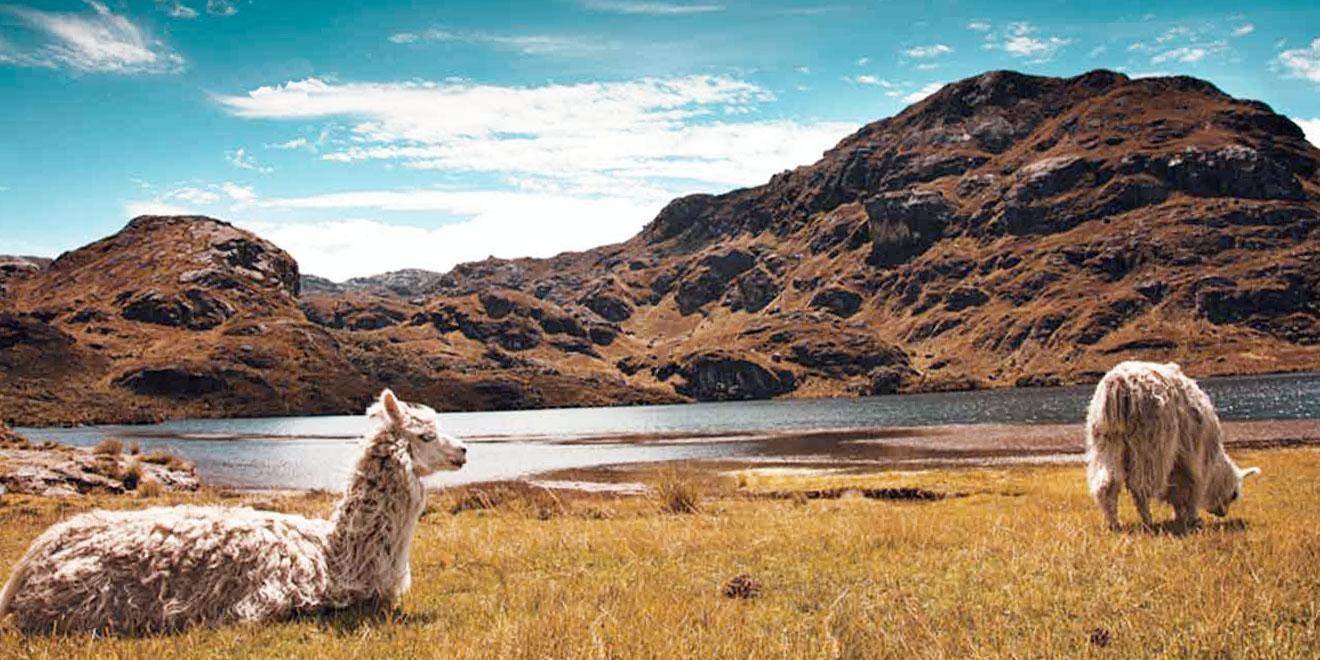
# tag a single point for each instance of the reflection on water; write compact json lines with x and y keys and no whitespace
{"x":317,"y":452}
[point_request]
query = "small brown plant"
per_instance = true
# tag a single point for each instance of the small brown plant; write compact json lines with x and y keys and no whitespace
{"x":150,"y":488}
{"x":678,"y":495}
{"x":109,"y":447}
{"x":742,"y":586}
{"x":134,"y":448}
{"x":1101,"y":637}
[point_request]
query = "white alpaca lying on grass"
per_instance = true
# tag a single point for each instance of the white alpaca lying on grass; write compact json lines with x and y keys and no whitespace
{"x":168,"y":568}
{"x":1154,"y":430}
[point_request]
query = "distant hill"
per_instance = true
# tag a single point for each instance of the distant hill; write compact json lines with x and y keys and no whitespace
{"x":1007,"y":230}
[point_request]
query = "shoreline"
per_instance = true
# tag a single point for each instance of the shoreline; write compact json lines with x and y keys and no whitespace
{"x":854,"y":451}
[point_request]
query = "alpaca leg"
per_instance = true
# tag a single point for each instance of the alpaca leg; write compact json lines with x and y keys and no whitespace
{"x":1182,"y":495}
{"x":1143,"y":508}
{"x":1104,"y":476}
{"x":1105,"y":488}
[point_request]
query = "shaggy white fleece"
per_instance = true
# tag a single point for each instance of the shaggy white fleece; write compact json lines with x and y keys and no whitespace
{"x":164,"y":569}
{"x":1154,"y":430}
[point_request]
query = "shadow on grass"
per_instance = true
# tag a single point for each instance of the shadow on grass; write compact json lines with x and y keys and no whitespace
{"x":352,"y":619}
{"x":1175,"y":528}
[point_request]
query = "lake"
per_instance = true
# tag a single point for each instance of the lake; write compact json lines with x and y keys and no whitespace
{"x":318,"y":452}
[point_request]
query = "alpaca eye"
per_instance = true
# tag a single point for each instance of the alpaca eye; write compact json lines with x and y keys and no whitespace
{"x":428,"y":437}
{"x":1234,"y":497}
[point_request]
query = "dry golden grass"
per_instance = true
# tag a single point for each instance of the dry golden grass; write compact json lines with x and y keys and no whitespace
{"x":109,"y":447}
{"x":1020,"y":565}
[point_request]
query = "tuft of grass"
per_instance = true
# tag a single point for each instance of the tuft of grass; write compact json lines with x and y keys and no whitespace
{"x":134,"y":448}
{"x":164,"y":457}
{"x":678,"y":493}
{"x":1020,"y":566}
{"x":109,"y":447}
{"x":148,"y":488}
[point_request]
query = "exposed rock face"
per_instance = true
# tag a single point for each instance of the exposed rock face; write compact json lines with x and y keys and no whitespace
{"x":905,"y":224}
{"x":719,"y":376}
{"x":1007,"y":229}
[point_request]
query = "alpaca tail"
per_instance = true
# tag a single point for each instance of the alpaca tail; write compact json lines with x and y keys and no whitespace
{"x":16,"y":579}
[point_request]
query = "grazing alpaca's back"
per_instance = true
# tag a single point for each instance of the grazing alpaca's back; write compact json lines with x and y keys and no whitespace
{"x":1153,"y":429}
{"x":165,"y":569}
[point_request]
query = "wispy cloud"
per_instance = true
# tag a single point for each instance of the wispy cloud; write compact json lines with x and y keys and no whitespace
{"x":922,"y":93}
{"x":866,"y":79}
{"x":651,"y":8}
{"x":1184,"y":54}
{"x":1022,"y":39}
{"x":242,"y":160}
{"x":221,"y":7}
{"x":933,"y":50}
{"x":528,"y":44}
{"x":1302,"y":62}
{"x":631,"y":132}
{"x":979,"y":26}
{"x":96,"y":41}
{"x":176,"y":9}
{"x":1244,"y":30}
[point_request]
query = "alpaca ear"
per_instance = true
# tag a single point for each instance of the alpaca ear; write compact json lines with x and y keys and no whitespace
{"x":390,"y":404}
{"x":1250,"y":472}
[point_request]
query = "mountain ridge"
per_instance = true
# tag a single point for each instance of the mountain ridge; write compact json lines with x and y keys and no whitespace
{"x":1007,"y":230}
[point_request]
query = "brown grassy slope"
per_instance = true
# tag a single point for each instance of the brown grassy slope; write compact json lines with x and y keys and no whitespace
{"x":172,"y":316}
{"x":1008,"y":229}
{"x":1019,"y":566}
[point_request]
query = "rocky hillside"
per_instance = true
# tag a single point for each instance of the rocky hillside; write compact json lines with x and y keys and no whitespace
{"x":1007,"y":230}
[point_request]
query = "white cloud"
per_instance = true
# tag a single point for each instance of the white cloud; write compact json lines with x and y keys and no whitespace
{"x":176,"y":9}
{"x":1244,"y":30}
{"x":237,"y":193}
{"x":866,"y":79}
{"x":489,"y":223}
{"x":1021,"y":40}
{"x":1302,"y":62}
{"x":194,"y":195}
{"x":650,"y":8}
{"x":239,"y":158}
{"x":862,"y":61}
{"x":979,"y":26}
{"x":633,"y":131}
{"x":1097,"y":51}
{"x":934,"y":50}
{"x":581,"y":164}
{"x":1185,"y":54}
{"x":153,"y":207}
{"x":221,"y":7}
{"x":99,"y":41}
{"x":1311,"y":127}
{"x":528,"y":44}
{"x":923,"y":92}
{"x":295,"y":143}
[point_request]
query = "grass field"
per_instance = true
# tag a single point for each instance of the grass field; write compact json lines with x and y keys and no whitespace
{"x":1017,"y":564}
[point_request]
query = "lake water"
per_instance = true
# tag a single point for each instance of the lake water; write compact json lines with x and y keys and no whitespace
{"x":318,"y":452}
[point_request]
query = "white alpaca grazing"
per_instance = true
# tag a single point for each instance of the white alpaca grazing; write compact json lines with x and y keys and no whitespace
{"x":1154,"y":430}
{"x":168,"y":568}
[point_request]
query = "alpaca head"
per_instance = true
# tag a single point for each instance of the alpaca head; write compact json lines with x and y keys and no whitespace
{"x":429,"y":449}
{"x":1228,"y":489}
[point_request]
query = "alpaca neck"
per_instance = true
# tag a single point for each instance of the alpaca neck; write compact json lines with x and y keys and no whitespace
{"x":373,"y":525}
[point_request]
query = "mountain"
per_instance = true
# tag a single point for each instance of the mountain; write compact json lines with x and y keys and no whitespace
{"x":1007,"y":230}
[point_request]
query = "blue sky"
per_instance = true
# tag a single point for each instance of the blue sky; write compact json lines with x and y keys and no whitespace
{"x":414,"y":134}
